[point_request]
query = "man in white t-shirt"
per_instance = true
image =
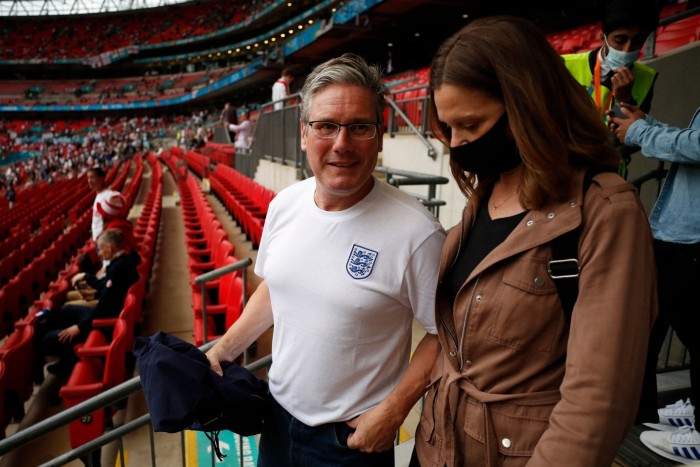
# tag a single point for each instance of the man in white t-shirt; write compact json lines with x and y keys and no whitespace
{"x":280,"y":89}
{"x":347,"y":263}
{"x":242,"y":131}
{"x":96,"y":180}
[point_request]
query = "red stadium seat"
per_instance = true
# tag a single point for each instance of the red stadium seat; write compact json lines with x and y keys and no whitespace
{"x":92,"y":376}
{"x":17,"y":354}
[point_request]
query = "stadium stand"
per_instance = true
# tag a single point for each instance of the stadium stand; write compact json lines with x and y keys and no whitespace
{"x":43,"y":237}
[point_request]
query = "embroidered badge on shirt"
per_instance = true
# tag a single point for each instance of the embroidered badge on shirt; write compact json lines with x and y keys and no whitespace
{"x":361,"y":262}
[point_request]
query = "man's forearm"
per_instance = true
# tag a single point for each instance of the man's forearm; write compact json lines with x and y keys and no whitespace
{"x":255,"y":319}
{"x":414,"y":382}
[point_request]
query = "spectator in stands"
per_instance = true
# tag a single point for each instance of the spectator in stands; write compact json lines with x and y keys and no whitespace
{"x":72,"y":323}
{"x":675,"y":224}
{"x":343,"y":328}
{"x":530,"y":372}
{"x":10,"y":194}
{"x":242,"y":131}
{"x":228,"y":118}
{"x":115,"y":212}
{"x":96,"y":180}
{"x":611,"y":74}
{"x":280,"y":89}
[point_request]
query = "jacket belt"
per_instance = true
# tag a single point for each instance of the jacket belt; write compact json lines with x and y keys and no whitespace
{"x":457,"y":383}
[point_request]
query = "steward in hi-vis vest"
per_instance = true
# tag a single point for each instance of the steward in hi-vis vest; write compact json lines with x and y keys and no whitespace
{"x":611,"y":73}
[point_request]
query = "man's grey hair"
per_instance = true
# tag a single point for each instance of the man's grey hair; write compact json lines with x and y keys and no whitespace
{"x":113,"y":237}
{"x":348,"y":69}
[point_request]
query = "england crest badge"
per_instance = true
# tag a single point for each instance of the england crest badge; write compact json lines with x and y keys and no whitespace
{"x":361,"y":262}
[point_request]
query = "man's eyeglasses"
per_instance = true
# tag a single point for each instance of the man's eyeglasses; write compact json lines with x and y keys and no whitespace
{"x":355,"y":130}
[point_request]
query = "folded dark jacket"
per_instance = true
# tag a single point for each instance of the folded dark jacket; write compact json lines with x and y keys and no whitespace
{"x":183,"y":392}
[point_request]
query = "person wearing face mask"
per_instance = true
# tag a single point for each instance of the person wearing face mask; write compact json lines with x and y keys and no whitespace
{"x":522,"y":378}
{"x":611,"y":73}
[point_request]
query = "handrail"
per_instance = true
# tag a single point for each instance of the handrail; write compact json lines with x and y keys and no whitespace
{"x":102,"y":400}
{"x":657,"y":174}
{"x":415,"y":178}
{"x":431,"y":150}
{"x":649,"y":50}
{"x":202,"y":279}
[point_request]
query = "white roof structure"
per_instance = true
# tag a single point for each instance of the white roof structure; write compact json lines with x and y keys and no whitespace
{"x":76,"y":7}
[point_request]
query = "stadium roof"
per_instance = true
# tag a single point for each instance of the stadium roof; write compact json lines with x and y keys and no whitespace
{"x":76,"y":7}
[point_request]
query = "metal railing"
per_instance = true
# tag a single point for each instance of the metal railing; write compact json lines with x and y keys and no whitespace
{"x":275,"y":137}
{"x":400,"y":123}
{"x":106,"y":399}
{"x":122,"y":391}
{"x":276,"y":133}
{"x":649,"y":49}
{"x":215,"y":274}
{"x":399,"y":178}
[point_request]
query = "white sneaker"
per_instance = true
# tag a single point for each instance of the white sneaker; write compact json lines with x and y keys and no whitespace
{"x":682,"y":445}
{"x":681,"y":413}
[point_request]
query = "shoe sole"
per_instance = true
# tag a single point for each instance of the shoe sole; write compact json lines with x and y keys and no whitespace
{"x":668,"y":455}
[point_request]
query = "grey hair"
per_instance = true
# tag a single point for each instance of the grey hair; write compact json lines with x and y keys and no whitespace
{"x":113,"y":237}
{"x":349,"y":69}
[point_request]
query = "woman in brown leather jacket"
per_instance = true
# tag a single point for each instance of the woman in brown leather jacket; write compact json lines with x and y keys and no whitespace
{"x":519,"y":380}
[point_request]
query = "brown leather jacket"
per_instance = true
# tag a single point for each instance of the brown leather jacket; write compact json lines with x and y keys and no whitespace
{"x":515,"y":383}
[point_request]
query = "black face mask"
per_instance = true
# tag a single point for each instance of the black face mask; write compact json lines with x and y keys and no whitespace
{"x":490,"y":155}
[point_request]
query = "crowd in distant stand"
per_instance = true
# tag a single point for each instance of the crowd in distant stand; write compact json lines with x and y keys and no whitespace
{"x":74,"y":37}
{"x":56,"y":150}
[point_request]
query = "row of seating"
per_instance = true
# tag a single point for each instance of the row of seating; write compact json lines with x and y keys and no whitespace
{"x":668,"y":37}
{"x":103,"y":356}
{"x":27,"y":270}
{"x":196,"y":161}
{"x":246,"y":200}
{"x":220,"y":153}
{"x":208,"y":248}
{"x":44,"y":199}
{"x":22,"y":247}
{"x":18,"y":353}
{"x":47,"y":200}
{"x":102,"y":363}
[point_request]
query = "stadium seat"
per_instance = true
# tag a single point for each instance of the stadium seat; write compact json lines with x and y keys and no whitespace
{"x":92,"y":376}
{"x":17,"y":355}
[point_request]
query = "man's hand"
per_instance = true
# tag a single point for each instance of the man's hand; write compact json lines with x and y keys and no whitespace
{"x":619,"y":126}
{"x":67,"y":335}
{"x":375,"y":430}
{"x":215,"y":357}
{"x":622,"y":81}
{"x":87,"y":294}
{"x":77,"y":278}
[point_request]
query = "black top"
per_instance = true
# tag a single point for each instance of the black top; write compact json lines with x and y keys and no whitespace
{"x":486,"y":235}
{"x":119,"y":276}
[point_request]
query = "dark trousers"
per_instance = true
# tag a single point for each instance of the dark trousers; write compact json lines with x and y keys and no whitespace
{"x":678,"y":268}
{"x":56,"y":322}
{"x":286,"y":441}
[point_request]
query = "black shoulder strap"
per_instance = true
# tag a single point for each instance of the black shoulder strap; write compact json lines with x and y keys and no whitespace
{"x":564,"y":267}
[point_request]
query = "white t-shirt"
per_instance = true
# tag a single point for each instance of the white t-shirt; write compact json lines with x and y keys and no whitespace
{"x":242,"y":133}
{"x":279,"y":91}
{"x":345,"y":287}
{"x":97,"y":221}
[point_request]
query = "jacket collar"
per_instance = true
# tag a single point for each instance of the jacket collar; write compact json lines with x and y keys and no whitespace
{"x":537,"y":227}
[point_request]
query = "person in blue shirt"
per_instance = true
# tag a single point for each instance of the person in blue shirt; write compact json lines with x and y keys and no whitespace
{"x":675,"y":224}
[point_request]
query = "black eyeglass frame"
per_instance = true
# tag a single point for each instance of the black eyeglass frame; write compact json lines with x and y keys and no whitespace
{"x":339,"y":125}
